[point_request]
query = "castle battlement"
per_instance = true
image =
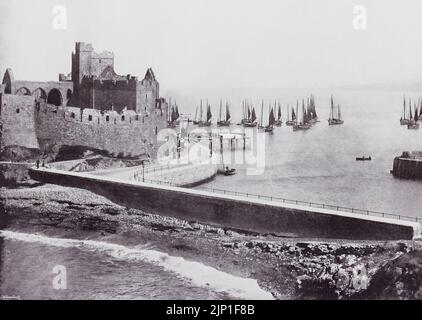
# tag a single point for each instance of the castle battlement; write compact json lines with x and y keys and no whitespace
{"x":90,"y":116}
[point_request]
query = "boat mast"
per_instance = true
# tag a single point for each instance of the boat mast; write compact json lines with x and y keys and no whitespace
{"x":221,"y":106}
{"x":200,"y":111}
{"x":262,"y":114}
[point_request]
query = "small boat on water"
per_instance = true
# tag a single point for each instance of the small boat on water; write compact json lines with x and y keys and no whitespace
{"x":227,"y":171}
{"x":335,"y":119}
{"x":363,"y":158}
{"x":413,"y":126}
{"x":226,"y":121}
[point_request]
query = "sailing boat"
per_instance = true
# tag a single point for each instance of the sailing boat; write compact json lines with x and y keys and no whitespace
{"x":292,"y":121}
{"x":334,"y":120}
{"x":278,"y":122}
{"x":226,"y":122}
{"x":413,"y":123}
{"x":304,"y":124}
{"x":311,"y":111}
{"x":250,"y":122}
{"x":246,"y":114}
{"x":271,"y":121}
{"x":403,"y":120}
{"x":198,"y":120}
{"x":207,"y":122}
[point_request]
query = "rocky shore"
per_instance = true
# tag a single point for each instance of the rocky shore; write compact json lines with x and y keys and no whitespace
{"x":289,"y":268}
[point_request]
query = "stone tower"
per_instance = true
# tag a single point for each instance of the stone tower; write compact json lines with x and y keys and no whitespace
{"x":86,"y":62}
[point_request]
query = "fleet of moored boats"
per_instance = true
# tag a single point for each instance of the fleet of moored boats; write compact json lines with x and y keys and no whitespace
{"x":298,"y":118}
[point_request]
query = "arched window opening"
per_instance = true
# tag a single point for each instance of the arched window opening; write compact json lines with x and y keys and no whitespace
{"x":55,"y":97}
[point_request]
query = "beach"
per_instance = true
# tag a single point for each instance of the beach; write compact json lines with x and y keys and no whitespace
{"x":284,"y":268}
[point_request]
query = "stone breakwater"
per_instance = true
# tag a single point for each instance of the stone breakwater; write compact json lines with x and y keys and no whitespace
{"x":290,"y":268}
{"x":408,"y":165}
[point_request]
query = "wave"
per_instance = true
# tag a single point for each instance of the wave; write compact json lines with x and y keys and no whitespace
{"x":197,"y":273}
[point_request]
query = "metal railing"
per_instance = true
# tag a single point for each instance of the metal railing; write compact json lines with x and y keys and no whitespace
{"x":296,"y":202}
{"x":313,"y":204}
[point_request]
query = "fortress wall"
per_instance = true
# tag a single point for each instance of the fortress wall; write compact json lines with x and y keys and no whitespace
{"x":57,"y":126}
{"x":17,"y":121}
{"x":41,"y":126}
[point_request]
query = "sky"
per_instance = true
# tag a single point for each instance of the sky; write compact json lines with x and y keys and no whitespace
{"x":220,"y":43}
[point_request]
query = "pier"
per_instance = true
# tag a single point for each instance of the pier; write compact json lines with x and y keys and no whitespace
{"x":237,"y":211}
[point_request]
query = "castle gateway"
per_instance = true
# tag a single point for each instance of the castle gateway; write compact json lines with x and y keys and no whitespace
{"x":92,"y":107}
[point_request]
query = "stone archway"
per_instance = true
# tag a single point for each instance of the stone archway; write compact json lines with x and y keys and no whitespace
{"x":40,"y":94}
{"x":55,"y":97}
{"x":24,"y":91}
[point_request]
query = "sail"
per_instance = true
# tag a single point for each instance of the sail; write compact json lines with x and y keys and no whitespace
{"x":177,"y":115}
{"x":228,"y":116}
{"x":173,"y":115}
{"x":410,"y":110}
{"x":313,"y":107}
{"x":404,"y":107}
{"x":209,"y":114}
{"x":279,"y":113}
{"x":262,"y":114}
{"x":253,"y":116}
{"x":200,"y":111}
{"x":293,"y":114}
{"x":249,"y":113}
{"x":416,"y":113}
{"x":219,"y":113}
{"x":271,"y":119}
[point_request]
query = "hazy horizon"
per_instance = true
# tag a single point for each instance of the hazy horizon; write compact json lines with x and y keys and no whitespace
{"x":220,"y":44}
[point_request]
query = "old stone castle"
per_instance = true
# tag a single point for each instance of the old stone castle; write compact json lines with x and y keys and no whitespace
{"x":92,"y":107}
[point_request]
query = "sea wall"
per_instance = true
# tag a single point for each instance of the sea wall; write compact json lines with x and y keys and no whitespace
{"x":235,"y":212}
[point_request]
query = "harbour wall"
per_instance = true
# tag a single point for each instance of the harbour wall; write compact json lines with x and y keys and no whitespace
{"x":407,"y":168}
{"x":235,"y":212}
